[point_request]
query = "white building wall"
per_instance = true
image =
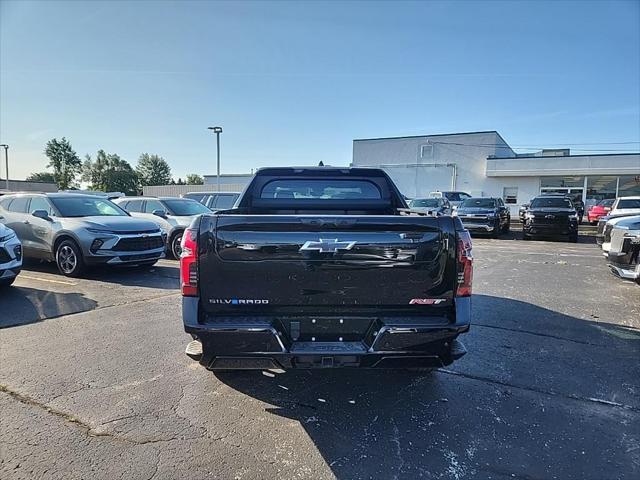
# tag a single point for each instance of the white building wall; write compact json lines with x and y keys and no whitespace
{"x":420,"y":165}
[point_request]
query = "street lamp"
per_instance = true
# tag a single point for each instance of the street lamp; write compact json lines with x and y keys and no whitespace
{"x":6,"y":160}
{"x":217,"y":131}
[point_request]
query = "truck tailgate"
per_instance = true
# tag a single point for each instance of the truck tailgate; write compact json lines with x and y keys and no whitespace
{"x":291,"y":264}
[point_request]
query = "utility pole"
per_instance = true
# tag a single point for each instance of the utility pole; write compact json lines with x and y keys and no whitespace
{"x":217,"y":131}
{"x":6,"y":163}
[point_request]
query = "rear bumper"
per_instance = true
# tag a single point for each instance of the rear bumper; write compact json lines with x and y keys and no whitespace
{"x":9,"y":273}
{"x":260,"y":342}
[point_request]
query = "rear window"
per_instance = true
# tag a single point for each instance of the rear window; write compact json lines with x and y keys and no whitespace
{"x":625,"y":203}
{"x":479,"y":203}
{"x":551,"y":203}
{"x":321,"y":189}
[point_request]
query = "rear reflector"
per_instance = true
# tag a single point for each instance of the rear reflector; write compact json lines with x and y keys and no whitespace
{"x":465,"y":264}
{"x":189,"y":263}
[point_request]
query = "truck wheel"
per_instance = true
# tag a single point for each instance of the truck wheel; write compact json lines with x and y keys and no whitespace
{"x":496,"y":229}
{"x":174,"y":245}
{"x":69,"y":259}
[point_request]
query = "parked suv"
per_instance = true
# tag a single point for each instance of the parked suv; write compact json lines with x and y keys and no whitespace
{"x":76,"y":231}
{"x":626,"y":206}
{"x":489,"y":215}
{"x":10,"y":255}
{"x":551,"y":215}
{"x":455,"y":198}
{"x":432,"y":206}
{"x":624,"y":251}
{"x":214,"y":200}
{"x":173,"y":215}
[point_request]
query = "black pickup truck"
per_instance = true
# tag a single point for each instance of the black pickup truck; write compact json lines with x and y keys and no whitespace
{"x":325,"y":267}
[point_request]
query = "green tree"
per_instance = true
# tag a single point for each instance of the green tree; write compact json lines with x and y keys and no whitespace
{"x":46,"y":177}
{"x":194,"y":179}
{"x":153,"y":170}
{"x":110,"y":173}
{"x":65,"y":162}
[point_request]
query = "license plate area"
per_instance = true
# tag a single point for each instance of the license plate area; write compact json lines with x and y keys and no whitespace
{"x":330,"y":329}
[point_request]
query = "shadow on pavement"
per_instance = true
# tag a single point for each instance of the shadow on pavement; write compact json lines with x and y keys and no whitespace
{"x":21,"y":305}
{"x":503,"y":411}
{"x":156,"y":276}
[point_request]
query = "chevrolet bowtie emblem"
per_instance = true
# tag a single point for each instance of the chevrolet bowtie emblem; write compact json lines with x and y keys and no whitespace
{"x":326,"y":246}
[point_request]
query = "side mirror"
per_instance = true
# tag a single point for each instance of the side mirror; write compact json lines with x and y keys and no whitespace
{"x":43,"y":214}
{"x":160,"y":213}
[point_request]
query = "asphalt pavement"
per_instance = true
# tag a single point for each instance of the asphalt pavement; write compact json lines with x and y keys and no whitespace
{"x":94,"y":384}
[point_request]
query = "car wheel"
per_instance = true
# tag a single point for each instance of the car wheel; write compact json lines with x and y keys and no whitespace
{"x":175,"y":245}
{"x":69,"y":259}
{"x":6,"y":282}
{"x":525,"y":236}
{"x":507,"y":227}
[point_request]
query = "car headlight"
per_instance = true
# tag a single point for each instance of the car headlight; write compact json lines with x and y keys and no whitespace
{"x":9,"y":236}
{"x":529,"y":216}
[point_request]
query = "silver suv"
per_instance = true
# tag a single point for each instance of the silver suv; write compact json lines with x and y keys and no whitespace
{"x":173,"y":215}
{"x":77,"y":231}
{"x":10,"y":256}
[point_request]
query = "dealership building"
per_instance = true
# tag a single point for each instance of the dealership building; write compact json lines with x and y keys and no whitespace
{"x":483,"y":164}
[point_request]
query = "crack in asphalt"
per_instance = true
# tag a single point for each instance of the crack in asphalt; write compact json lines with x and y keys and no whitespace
{"x":88,"y":429}
{"x":537,"y":334}
{"x":580,"y":398}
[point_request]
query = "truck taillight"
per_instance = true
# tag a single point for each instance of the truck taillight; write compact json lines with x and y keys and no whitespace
{"x":465,"y":265}
{"x":189,"y":263}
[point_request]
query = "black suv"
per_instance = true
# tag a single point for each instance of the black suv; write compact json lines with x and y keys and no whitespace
{"x":549,"y":216}
{"x":484,"y":214}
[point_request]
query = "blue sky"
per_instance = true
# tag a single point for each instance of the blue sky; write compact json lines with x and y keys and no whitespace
{"x":294,"y":83}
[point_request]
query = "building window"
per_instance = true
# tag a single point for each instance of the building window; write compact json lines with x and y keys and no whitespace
{"x":629,"y":185}
{"x":561,"y":182}
{"x":510,"y":195}
{"x":426,"y":151}
{"x":600,"y":187}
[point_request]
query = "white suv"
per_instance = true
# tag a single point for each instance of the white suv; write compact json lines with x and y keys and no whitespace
{"x":625,"y":206}
{"x":10,"y":256}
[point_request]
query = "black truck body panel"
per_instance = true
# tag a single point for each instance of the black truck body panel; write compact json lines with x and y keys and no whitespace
{"x":300,"y":288}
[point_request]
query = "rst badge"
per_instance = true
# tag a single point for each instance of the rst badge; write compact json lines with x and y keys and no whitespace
{"x":426,"y":301}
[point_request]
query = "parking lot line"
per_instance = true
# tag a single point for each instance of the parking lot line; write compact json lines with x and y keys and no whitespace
{"x":40,"y":279}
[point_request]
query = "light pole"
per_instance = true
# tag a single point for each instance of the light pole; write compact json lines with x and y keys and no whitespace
{"x":6,"y":163}
{"x":217,"y":131}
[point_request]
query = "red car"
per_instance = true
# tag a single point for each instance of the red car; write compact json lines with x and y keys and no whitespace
{"x":598,"y":210}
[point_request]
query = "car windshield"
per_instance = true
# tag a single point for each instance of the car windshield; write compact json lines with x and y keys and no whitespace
{"x":629,"y":203}
{"x":479,"y":203}
{"x":606,"y":203}
{"x":424,"y":202}
{"x":185,"y":207}
{"x":551,"y":202}
{"x":87,"y":207}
